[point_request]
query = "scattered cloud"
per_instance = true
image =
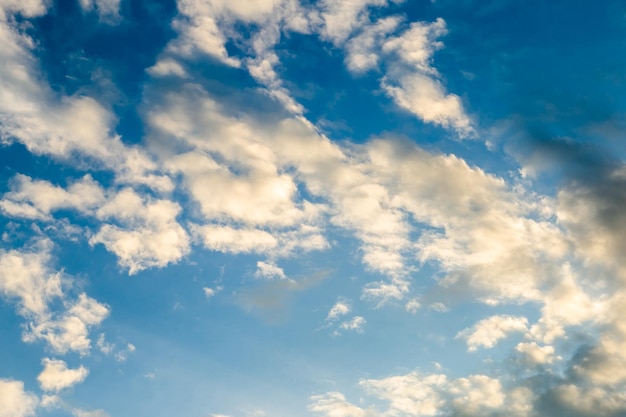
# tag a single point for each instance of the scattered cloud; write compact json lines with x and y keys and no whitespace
{"x":27,"y":277}
{"x":15,"y":401}
{"x":269,"y":270}
{"x":341,"y":308}
{"x":355,"y":324}
{"x":145,"y":233}
{"x":487,"y":332}
{"x":56,"y":376}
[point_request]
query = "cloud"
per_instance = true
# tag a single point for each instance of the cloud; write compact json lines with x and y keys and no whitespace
{"x":426,"y":98}
{"x":145,"y":232}
{"x":409,"y":77}
{"x":56,"y":376}
{"x":341,"y":308}
{"x":355,"y":324}
{"x":36,"y":199}
{"x":26,"y":276}
{"x":341,"y":18}
{"x":74,"y":129}
{"x":334,"y":404}
{"x":474,"y":221}
{"x":27,"y":8}
{"x":416,"y":395}
{"x":15,"y":401}
{"x":362,"y":50}
{"x":210,"y":292}
{"x":412,"y":306}
{"x":487,"y":332}
{"x":269,"y":270}
{"x":535,"y":354}
{"x":108,"y":10}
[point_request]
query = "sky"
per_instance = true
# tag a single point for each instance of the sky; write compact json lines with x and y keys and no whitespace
{"x":333,"y":208}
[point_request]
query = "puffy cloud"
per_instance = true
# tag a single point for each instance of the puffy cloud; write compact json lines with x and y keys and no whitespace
{"x":26,"y":276}
{"x":362,"y":49}
{"x":486,"y":333}
{"x":411,"y":395}
{"x":341,"y":18}
{"x":148,"y":234}
{"x":592,"y":401}
{"x":231,"y":240}
{"x":15,"y":401}
{"x":269,"y":270}
{"x":419,"y":395}
{"x":341,"y":308}
{"x":27,"y":8}
{"x":205,"y":26}
{"x":537,"y":355}
{"x":36,"y":199}
{"x":426,"y":98}
{"x":167,"y":67}
{"x":477,"y":394}
{"x":409,"y":76}
{"x":69,"y":330}
{"x":57,"y":376}
{"x":334,"y":404}
{"x":480,"y":228}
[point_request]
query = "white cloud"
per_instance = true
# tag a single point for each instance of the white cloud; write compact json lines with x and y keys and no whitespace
{"x":36,"y":199}
{"x":412,"y":306}
{"x":230,"y":240}
{"x":487,"y":332}
{"x":167,"y":67}
{"x":363,"y":49}
{"x":57,"y":376}
{"x":370,"y":190}
{"x":355,"y":324}
{"x":534,"y":354}
{"x":75,"y":129}
{"x":341,"y":308}
{"x":334,"y":404}
{"x":26,"y":276}
{"x":412,"y":82}
{"x":416,"y":46}
{"x":421,"y":395}
{"x":148,"y":234}
{"x":426,"y":98}
{"x":341,"y":18}
{"x":27,"y":8}
{"x":15,"y":401}
{"x":204,"y":26}
{"x":477,"y":394}
{"x":68,"y":330}
{"x":409,"y":76}
{"x":210,"y":292}
{"x":104,"y":346}
{"x":269,"y":270}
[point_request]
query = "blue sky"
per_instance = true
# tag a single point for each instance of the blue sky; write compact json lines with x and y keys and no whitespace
{"x":272,"y":208}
